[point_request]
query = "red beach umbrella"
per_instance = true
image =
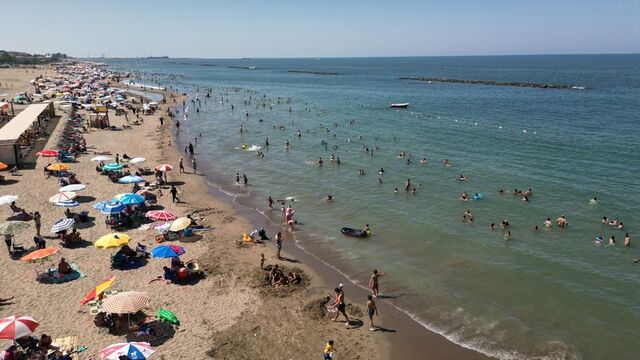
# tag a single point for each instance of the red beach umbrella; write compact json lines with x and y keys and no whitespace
{"x":161,"y":215}
{"x":15,"y":327}
{"x":164,"y":167}
{"x":48,"y":153}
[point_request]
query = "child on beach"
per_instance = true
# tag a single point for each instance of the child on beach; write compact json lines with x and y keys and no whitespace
{"x":262,"y":261}
{"x":371,"y":311}
{"x":329,"y":350}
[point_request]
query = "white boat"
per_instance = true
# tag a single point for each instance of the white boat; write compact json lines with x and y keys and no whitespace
{"x":399,"y":105}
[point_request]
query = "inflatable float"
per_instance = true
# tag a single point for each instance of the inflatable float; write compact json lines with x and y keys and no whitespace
{"x":355,"y":232}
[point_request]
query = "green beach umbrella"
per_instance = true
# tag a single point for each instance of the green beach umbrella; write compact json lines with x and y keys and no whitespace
{"x":112,"y":167}
{"x":13,"y":227}
{"x":167,"y":316}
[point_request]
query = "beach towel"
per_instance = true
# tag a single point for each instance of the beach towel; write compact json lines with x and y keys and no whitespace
{"x":51,"y":276}
{"x":69,"y":344}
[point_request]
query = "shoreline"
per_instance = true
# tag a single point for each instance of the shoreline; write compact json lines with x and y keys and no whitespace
{"x":405,"y":337}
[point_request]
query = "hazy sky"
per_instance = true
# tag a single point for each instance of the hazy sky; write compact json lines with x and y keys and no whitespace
{"x":320,"y":28}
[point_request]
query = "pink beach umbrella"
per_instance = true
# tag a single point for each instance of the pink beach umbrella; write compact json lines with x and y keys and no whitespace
{"x":133,"y":350}
{"x":161,"y":215}
{"x":15,"y":327}
{"x":164,"y":167}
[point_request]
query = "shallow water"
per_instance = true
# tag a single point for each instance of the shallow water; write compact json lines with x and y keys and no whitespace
{"x":550,"y":293}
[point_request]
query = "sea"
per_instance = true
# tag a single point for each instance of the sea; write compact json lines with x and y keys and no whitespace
{"x":547,"y":294}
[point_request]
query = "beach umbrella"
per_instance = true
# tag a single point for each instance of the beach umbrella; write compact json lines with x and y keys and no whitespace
{"x":128,"y":302}
{"x":133,"y":350}
{"x":13,"y":227}
{"x":180,"y":224}
{"x":161,"y":215}
{"x":112,"y":167}
{"x":69,"y":203}
{"x":113,"y":208}
{"x":101,"y":158}
{"x":112,"y":241}
{"x":129,"y":199}
{"x":62,"y":224}
{"x":39,"y":254}
{"x":98,"y":290}
{"x":101,"y":204}
{"x":47,"y":153}
{"x":130,"y":179}
{"x":167,"y":251}
{"x":15,"y":327}
{"x":3,"y":166}
{"x":136,"y":160}
{"x":164,"y":167}
{"x":63,"y":196}
{"x":8,"y":199}
{"x":72,"y":187}
{"x":58,"y":167}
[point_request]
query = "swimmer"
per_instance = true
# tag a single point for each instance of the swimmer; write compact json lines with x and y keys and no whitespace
{"x":464,"y":197}
{"x":462,"y":178}
{"x":381,"y":172}
{"x":492,"y":226}
{"x":605,"y":220}
{"x":593,"y":201}
{"x":407,"y":185}
{"x":598,"y":241}
{"x":504,"y":224}
{"x":320,"y":161}
{"x":525,"y":198}
{"x":501,"y":191}
{"x":413,"y":191}
{"x":562,"y":221}
{"x":507,"y":235}
{"x":395,"y":191}
{"x":329,"y":198}
{"x":467,"y":216}
{"x":627,"y":240}
{"x":536,"y":228}
{"x":612,"y":240}
{"x":423,"y":161}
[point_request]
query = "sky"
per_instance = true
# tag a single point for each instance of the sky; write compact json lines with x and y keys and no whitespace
{"x":320,"y":28}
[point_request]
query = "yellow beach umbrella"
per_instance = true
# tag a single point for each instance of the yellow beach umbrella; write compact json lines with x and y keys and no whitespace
{"x":112,"y":241}
{"x":58,"y":167}
{"x":180,"y":224}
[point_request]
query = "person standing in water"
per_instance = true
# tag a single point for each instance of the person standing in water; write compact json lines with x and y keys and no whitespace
{"x":372,"y":310}
{"x":270,"y":202}
{"x":238,"y":178}
{"x":374,"y":282}
{"x":627,"y":240}
{"x":194,"y":165}
{"x":244,"y":178}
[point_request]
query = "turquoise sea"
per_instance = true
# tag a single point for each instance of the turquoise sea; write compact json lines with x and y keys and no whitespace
{"x":548,"y":294}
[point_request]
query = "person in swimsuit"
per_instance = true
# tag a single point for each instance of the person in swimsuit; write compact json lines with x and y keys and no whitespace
{"x":340,"y":305}
{"x":374,"y":282}
{"x":371,"y":311}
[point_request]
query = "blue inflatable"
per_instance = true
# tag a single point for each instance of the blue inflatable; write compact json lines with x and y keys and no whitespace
{"x":477,"y":196}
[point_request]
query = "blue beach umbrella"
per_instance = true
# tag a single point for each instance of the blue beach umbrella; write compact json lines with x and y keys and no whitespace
{"x":113,"y":208}
{"x":167,"y":251}
{"x":100,"y":205}
{"x":129,"y":199}
{"x":112,"y":167}
{"x":130,"y":179}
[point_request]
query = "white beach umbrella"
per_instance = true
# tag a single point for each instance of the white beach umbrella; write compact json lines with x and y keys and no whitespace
{"x":137,"y":160}
{"x":72,"y":187}
{"x":101,"y":158}
{"x":8,"y":199}
{"x":62,"y":224}
{"x":62,"y":197}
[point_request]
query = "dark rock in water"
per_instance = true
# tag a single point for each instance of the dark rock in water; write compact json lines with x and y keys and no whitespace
{"x":313,"y":72}
{"x":495,"y":83}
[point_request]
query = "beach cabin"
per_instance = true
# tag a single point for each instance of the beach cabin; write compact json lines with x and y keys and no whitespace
{"x":12,"y":131}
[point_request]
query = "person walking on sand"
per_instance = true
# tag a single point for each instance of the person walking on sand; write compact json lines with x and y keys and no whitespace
{"x":374,"y":282}
{"x":262,"y":259}
{"x":372,"y":310}
{"x":329,"y":351}
{"x":278,"y":244}
{"x":174,"y":194}
{"x":270,"y":202}
{"x":181,"y":164}
{"x":37,"y":219}
{"x":194,"y":165}
{"x":340,"y":305}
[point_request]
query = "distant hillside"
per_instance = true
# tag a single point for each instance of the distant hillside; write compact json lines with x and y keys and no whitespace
{"x":22,"y":58}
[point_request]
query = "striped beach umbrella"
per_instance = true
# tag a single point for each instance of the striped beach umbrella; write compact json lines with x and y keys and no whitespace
{"x":164,"y":167}
{"x":63,"y":196}
{"x":62,"y":224}
{"x":128,"y":302}
{"x":167,"y":251}
{"x":39,"y":254}
{"x":113,"y":208}
{"x":129,"y":199}
{"x":130,"y":179}
{"x":13,"y":227}
{"x":133,"y":350}
{"x":70,"y":203}
{"x":15,"y":327}
{"x":98,"y":290}
{"x":72,"y":187}
{"x":47,"y":153}
{"x":160,"y":215}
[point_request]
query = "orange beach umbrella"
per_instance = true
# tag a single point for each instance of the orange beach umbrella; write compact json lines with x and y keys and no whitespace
{"x":39,"y":254}
{"x":3,"y":166}
{"x":99,"y":289}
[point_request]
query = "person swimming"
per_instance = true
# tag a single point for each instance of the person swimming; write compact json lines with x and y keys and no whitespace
{"x":593,"y":201}
{"x":462,"y":178}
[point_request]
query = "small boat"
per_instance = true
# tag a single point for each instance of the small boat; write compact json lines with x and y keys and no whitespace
{"x":354,"y":232}
{"x":399,"y":105}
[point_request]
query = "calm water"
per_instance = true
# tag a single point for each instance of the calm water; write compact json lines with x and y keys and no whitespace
{"x":550,"y":294}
